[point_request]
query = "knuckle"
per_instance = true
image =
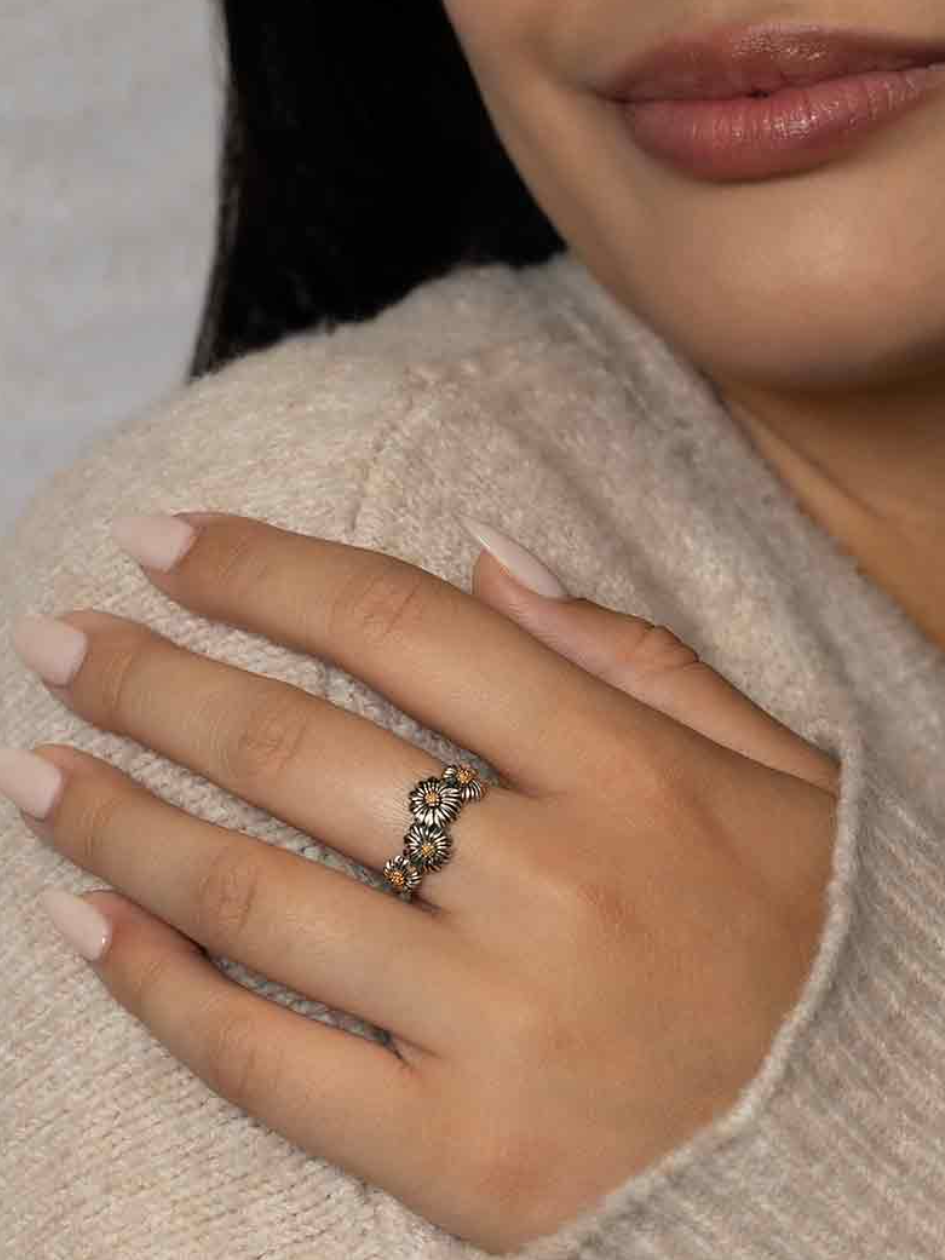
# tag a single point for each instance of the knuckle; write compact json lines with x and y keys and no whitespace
{"x":535,"y":1028}
{"x":227,"y":896}
{"x":145,"y":996}
{"x":648,"y":650}
{"x":660,"y":649}
{"x":117,"y":680}
{"x":94,"y":817}
{"x":271,"y":739}
{"x":594,"y":907}
{"x":599,"y":911}
{"x":376,"y":605}
{"x":595,"y":911}
{"x":235,"y":1064}
{"x":233,"y":561}
{"x":581,"y":888}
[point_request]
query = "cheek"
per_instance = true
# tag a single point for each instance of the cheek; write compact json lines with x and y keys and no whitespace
{"x":473,"y":19}
{"x":494,"y":32}
{"x":503,"y":42}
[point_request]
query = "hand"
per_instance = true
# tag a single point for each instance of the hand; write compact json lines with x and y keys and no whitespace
{"x":597,"y":972}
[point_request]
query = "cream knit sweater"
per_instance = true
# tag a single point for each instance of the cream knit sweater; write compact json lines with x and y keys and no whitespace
{"x":536,"y":401}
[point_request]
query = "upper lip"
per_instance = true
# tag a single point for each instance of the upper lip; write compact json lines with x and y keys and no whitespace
{"x":735,"y":61}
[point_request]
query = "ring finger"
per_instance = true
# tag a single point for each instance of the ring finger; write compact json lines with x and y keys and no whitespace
{"x":294,"y":920}
{"x":326,"y":771}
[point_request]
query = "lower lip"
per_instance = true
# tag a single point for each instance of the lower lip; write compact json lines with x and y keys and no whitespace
{"x":796,"y":129}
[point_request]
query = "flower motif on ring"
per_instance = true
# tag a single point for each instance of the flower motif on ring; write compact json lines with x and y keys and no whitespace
{"x":428,"y":847}
{"x":434,"y":802}
{"x":402,"y":874}
{"x":467,"y":779}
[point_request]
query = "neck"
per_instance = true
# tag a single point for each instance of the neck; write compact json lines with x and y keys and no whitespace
{"x":878,"y":455}
{"x":870,"y":469}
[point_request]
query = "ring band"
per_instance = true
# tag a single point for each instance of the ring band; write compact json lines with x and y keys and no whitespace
{"x":434,"y":803}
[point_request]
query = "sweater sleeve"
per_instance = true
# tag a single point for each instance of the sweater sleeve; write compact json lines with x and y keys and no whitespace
{"x":112,"y":1147}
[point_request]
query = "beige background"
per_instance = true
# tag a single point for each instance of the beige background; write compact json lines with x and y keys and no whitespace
{"x":109,"y":130}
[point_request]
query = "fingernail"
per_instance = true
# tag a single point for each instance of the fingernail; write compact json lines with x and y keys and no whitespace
{"x":32,"y":783}
{"x":523,"y":566}
{"x":53,"y":648}
{"x":84,"y":927}
{"x":156,"y":541}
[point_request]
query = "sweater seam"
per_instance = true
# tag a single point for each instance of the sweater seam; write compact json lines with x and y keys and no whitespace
{"x":381,"y":441}
{"x":391,"y":429}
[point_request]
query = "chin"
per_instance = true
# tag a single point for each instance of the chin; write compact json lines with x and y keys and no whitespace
{"x":831,"y":338}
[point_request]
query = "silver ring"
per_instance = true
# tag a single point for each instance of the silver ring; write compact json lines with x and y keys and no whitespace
{"x":435,"y":803}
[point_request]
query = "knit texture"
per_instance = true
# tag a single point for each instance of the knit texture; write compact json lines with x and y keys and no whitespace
{"x":536,"y":401}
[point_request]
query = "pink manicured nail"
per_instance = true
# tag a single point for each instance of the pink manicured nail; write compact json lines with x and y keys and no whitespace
{"x":53,"y":648}
{"x":512,"y":555}
{"x":84,"y":927}
{"x":32,"y":783}
{"x":154,"y":540}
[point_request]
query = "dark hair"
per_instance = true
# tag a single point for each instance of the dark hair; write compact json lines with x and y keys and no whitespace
{"x":357,"y":161}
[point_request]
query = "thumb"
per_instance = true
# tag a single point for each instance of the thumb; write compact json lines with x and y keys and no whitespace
{"x":646,"y":661}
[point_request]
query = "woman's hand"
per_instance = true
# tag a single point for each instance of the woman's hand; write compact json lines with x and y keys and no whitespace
{"x":597,"y":972}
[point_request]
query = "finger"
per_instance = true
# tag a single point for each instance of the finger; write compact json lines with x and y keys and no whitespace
{"x":320,"y":768}
{"x":435,"y":651}
{"x":652,"y":664}
{"x":335,"y":1094}
{"x":294,"y":920}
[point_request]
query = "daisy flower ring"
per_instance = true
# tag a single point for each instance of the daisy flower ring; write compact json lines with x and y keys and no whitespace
{"x":435,"y":802}
{"x":427,"y":846}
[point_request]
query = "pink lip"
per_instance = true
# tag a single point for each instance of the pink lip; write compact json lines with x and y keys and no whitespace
{"x":736,"y":61}
{"x":753,"y":102}
{"x":794,"y":130}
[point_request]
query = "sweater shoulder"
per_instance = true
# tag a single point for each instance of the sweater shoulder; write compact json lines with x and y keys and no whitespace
{"x":296,"y":434}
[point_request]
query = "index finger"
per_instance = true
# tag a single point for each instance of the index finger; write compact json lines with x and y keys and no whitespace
{"x":437,"y":653}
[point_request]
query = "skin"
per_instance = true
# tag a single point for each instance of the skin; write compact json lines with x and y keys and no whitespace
{"x":815,"y":304}
{"x":525,"y":1084}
